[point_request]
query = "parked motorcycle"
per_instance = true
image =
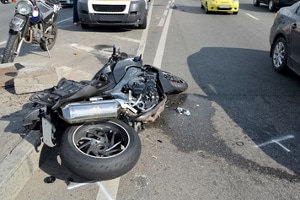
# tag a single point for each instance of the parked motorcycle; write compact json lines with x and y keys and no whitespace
{"x":34,"y":22}
{"x":99,"y":119}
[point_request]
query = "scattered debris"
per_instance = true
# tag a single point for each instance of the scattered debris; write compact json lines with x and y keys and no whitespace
{"x":183,"y":111}
{"x":49,"y":179}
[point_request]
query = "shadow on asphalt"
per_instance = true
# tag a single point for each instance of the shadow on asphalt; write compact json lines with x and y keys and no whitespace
{"x":262,"y":102}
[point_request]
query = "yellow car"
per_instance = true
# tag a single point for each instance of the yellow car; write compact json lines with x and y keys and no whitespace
{"x":220,"y":6}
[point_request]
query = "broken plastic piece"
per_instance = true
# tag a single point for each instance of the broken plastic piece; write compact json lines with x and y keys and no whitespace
{"x":49,"y":179}
{"x":183,"y":111}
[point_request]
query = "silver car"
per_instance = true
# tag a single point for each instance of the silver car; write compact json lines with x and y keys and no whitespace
{"x":285,"y":39}
{"x":113,"y":12}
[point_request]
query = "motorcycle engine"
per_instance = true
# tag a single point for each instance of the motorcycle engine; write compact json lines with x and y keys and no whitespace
{"x":142,"y":91}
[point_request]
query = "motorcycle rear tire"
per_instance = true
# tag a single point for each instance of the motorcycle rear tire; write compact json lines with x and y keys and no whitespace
{"x":9,"y":52}
{"x":49,"y":41}
{"x":82,"y":147}
{"x":178,"y":83}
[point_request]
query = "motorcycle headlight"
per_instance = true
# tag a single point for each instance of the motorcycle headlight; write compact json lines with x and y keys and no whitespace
{"x":24,"y":7}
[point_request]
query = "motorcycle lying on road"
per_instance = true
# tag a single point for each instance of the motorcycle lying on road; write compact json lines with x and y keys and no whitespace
{"x":99,"y":119}
{"x":33,"y":22}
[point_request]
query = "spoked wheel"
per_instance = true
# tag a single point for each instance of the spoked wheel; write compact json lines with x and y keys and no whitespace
{"x":100,"y":151}
{"x":178,"y":83}
{"x":50,"y":38}
{"x":279,"y":55}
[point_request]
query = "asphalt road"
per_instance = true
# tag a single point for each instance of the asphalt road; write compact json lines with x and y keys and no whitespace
{"x":241,"y":139}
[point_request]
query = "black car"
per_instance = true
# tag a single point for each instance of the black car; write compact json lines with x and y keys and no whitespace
{"x":285,"y":39}
{"x":274,"y":5}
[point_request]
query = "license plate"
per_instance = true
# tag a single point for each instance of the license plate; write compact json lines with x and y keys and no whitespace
{"x":16,"y":21}
{"x":224,"y":6}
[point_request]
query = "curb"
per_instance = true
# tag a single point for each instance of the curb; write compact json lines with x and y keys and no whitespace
{"x":17,"y":168}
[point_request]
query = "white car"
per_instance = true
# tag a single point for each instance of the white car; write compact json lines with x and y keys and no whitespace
{"x":113,"y":12}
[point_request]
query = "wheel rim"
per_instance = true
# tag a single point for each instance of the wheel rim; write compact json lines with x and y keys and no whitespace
{"x":279,"y":54}
{"x":271,"y":5}
{"x":102,"y":140}
{"x":52,"y":33}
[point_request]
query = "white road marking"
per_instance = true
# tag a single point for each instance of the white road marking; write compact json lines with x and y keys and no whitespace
{"x":162,"y":42}
{"x":68,"y":19}
{"x":143,"y":41}
{"x":127,"y":39}
{"x":252,"y":16}
{"x":277,"y":141}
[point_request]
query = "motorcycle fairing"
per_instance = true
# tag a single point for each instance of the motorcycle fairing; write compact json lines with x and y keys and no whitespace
{"x":119,"y":70}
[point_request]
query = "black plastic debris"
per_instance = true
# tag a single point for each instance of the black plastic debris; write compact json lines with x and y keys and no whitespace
{"x":49,"y":179}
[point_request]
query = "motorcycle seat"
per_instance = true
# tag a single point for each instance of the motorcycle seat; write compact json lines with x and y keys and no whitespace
{"x":69,"y":91}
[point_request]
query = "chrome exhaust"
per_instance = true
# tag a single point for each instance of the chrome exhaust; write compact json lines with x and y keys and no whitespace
{"x":90,"y":111}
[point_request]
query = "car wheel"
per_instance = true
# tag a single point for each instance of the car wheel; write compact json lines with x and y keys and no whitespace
{"x":279,"y":55}
{"x":235,"y":13}
{"x":271,"y":6}
{"x":206,"y":9}
{"x":85,"y":26}
{"x":144,"y":24}
{"x":256,"y":2}
{"x":201,"y":5}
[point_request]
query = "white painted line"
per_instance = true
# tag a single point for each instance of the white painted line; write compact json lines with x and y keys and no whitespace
{"x":162,"y":42}
{"x":143,"y":41}
{"x":102,"y":188}
{"x":165,"y":12}
{"x":277,"y":141}
{"x":128,"y":39}
{"x":252,"y":16}
{"x":68,"y":19}
{"x":161,"y":22}
{"x":281,"y":145}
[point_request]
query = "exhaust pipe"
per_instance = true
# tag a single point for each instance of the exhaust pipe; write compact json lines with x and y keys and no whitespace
{"x":90,"y":111}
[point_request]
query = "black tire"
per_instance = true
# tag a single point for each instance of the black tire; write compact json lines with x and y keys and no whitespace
{"x":10,"y":51}
{"x":85,"y":26}
{"x":178,"y":83}
{"x":201,"y":5}
{"x":50,"y":38}
{"x":279,"y":55}
{"x":256,"y":3}
{"x":144,"y":24}
{"x":271,"y":6}
{"x":100,"y":151}
{"x":206,"y":9}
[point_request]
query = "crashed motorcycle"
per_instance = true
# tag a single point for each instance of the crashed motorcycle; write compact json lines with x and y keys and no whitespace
{"x":33,"y":22}
{"x":96,"y":122}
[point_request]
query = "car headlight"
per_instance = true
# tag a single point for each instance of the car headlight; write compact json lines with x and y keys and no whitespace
{"x":24,"y":7}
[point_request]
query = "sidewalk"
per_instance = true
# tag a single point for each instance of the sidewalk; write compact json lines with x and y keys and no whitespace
{"x":18,"y":157}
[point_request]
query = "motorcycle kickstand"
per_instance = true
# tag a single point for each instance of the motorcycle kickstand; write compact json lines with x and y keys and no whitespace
{"x":48,"y":51}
